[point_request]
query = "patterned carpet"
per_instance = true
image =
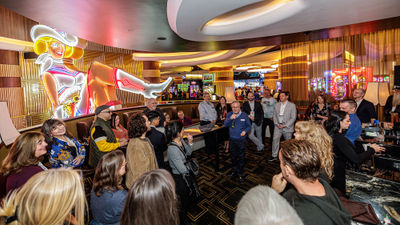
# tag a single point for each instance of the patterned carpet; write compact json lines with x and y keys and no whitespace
{"x":221,"y":193}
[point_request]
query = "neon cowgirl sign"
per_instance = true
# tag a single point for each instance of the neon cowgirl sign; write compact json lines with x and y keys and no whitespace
{"x":72,"y":92}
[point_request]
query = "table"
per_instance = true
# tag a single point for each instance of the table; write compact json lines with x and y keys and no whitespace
{"x":211,"y":129}
{"x":390,"y":160}
{"x":383,"y":195}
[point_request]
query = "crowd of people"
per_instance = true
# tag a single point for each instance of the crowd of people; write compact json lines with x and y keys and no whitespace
{"x":132,"y":179}
{"x":178,"y":94}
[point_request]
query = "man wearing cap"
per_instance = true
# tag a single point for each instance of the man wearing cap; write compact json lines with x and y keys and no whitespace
{"x":102,"y":138}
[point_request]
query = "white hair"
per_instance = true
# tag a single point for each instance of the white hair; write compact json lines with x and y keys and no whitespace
{"x":261,"y":205}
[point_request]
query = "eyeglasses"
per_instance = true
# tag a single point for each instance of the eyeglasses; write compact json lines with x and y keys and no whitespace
{"x":107,"y":111}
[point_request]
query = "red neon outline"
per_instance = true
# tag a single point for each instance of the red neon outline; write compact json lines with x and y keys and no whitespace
{"x":127,"y":83}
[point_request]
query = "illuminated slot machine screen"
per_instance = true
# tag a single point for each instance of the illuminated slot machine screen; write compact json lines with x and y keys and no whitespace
{"x":183,"y":87}
{"x":360,"y":76}
{"x":209,"y":88}
{"x":194,"y":88}
{"x":339,"y":83}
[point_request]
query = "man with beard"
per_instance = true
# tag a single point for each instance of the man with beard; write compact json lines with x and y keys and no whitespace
{"x":392,"y":104}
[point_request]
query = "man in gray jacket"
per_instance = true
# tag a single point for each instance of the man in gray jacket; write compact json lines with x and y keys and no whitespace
{"x":284,"y":118}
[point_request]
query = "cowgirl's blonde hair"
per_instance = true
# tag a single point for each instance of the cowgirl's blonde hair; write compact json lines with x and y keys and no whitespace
{"x":317,"y":135}
{"x":48,"y":198}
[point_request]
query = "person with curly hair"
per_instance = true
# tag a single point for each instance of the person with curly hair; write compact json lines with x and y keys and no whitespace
{"x":107,"y":197}
{"x":317,"y":135}
{"x":140,"y":156}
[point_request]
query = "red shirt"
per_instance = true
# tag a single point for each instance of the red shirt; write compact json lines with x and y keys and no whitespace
{"x":17,"y":180}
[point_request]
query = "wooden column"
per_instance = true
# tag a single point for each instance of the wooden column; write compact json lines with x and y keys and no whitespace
{"x":223,"y":77}
{"x":151,"y":71}
{"x":10,"y":86}
{"x":293,"y":72}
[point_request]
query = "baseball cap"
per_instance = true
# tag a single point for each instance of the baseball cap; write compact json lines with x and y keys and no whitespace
{"x":101,"y":108}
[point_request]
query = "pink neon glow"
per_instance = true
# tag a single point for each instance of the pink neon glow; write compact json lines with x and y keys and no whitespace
{"x":128,"y":83}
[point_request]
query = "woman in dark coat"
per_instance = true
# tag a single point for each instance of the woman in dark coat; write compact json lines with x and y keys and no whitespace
{"x":343,"y":149}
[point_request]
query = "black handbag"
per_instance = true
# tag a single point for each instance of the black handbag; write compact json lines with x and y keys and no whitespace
{"x":191,"y":164}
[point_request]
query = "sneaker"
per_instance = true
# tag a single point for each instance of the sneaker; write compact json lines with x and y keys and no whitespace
{"x":272,"y":159}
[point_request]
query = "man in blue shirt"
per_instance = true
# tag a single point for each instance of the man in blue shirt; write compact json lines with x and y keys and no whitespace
{"x":355,"y":129}
{"x":239,"y":126}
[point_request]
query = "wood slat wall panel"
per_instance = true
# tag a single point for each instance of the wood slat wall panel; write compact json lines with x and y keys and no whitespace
{"x":9,"y":57}
{"x":13,"y":25}
{"x":10,"y":70}
{"x":226,"y":81}
{"x":15,"y":101}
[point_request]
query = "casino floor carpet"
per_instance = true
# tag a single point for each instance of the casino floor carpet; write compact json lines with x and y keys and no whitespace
{"x":221,"y":193}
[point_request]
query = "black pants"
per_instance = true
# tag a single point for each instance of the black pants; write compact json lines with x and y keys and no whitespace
{"x":237,"y":148}
{"x":210,"y":140}
{"x":270,"y":123}
{"x":182,"y":192}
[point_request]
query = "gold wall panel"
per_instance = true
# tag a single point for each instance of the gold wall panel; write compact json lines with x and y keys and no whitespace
{"x":15,"y":102}
{"x":222,"y":80}
{"x":10,"y":70}
{"x":38,"y":105}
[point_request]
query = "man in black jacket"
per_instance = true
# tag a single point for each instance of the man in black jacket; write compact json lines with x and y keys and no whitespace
{"x":365,"y":109}
{"x":312,"y":197}
{"x":256,"y":115}
{"x":156,"y":138}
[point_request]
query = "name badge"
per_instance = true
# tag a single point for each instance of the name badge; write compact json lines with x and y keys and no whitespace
{"x":242,"y":120}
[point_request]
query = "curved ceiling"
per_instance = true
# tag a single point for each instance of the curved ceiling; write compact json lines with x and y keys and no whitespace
{"x":260,"y":18}
{"x":195,"y":58}
{"x":147,"y":25}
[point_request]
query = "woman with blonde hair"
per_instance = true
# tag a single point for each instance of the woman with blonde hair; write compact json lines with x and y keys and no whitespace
{"x":52,"y":197}
{"x":24,"y":159}
{"x":317,"y":135}
{"x":152,"y":200}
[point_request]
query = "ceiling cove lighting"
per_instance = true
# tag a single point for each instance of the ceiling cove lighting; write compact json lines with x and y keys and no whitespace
{"x":252,"y":16}
{"x":261,"y":70}
{"x":246,"y":67}
{"x":206,"y":57}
